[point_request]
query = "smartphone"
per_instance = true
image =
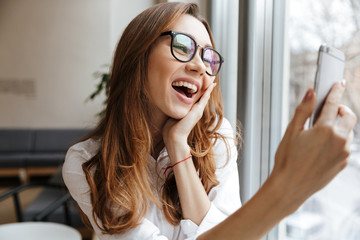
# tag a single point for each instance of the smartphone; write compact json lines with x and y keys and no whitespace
{"x":330,"y":69}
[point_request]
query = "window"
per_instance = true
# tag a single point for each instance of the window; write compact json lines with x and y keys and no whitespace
{"x":334,"y":212}
{"x":278,"y":43}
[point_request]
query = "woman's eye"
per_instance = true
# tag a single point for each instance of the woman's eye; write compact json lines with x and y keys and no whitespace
{"x":181,"y":49}
{"x":209,"y":62}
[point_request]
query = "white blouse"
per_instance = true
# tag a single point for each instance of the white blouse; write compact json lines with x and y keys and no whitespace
{"x":225,"y":197}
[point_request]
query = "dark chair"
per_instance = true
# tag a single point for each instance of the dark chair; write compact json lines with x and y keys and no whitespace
{"x":54,"y":203}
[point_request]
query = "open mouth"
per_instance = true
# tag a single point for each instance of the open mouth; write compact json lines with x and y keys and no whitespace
{"x":185,"y":88}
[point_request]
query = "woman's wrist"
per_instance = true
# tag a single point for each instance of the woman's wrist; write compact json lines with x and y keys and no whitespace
{"x":177,"y":149}
{"x":288,"y":196}
{"x":178,"y":153}
{"x":171,"y":166}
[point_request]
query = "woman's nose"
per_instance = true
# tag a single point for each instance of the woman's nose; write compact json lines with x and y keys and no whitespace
{"x":197,"y":64}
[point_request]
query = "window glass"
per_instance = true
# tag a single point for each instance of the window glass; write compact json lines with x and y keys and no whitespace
{"x":334,"y":212}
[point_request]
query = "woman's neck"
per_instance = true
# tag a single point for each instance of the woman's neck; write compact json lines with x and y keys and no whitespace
{"x":158,"y":145}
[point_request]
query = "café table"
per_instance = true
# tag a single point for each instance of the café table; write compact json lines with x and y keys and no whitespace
{"x":38,"y":231}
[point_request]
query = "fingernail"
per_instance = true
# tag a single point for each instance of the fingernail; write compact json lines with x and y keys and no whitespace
{"x":308,"y":95}
{"x":343,"y":82}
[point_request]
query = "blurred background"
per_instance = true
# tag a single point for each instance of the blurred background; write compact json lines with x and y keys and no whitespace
{"x":53,"y":55}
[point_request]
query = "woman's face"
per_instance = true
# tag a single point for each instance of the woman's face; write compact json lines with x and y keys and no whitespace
{"x":168,"y":79}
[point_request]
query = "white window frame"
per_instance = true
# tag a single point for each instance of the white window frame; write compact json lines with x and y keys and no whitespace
{"x":224,"y":24}
{"x":262,"y":91}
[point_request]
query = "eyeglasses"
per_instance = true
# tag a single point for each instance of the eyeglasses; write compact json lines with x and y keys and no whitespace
{"x":183,"y":48}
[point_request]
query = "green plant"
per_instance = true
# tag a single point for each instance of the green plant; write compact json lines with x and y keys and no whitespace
{"x":101,"y":86}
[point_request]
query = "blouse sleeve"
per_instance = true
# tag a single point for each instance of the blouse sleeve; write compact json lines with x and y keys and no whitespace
{"x":76,"y":182}
{"x":225,"y":197}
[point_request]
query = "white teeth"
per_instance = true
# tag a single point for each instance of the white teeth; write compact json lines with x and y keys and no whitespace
{"x":191,"y":87}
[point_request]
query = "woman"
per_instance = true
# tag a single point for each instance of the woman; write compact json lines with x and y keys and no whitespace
{"x":161,"y":164}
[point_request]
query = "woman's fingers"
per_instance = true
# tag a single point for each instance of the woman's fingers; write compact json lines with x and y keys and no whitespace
{"x":349,"y":142}
{"x":199,"y":107}
{"x":303,"y":111}
{"x":182,"y":128}
{"x":347,"y":119}
{"x":330,"y":110}
{"x":205,"y":97}
{"x":324,"y":149}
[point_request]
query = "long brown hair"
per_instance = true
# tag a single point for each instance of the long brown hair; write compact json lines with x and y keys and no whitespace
{"x":118,"y":175}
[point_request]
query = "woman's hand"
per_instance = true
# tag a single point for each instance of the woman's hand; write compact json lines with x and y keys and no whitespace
{"x":176,"y":132}
{"x":193,"y":198}
{"x":307,"y":160}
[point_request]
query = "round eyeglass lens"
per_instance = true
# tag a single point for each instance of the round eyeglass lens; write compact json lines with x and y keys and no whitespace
{"x":183,"y":47}
{"x":212,"y":61}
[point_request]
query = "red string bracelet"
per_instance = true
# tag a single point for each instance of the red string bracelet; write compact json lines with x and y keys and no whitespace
{"x":171,"y":166}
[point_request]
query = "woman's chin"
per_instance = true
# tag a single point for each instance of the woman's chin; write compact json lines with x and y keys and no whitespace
{"x":179,"y":114}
